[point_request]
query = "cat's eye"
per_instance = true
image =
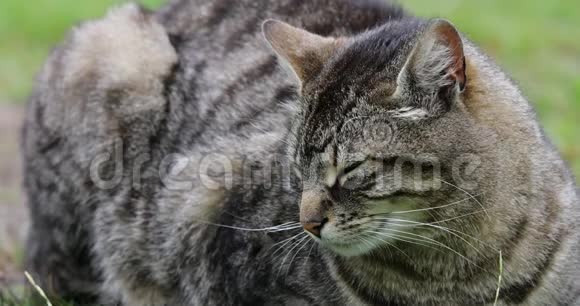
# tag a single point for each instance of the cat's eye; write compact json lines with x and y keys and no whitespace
{"x":352,"y":166}
{"x":361,"y":179}
{"x":401,"y":193}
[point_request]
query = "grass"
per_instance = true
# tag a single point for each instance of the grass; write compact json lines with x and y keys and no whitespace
{"x":28,"y":300}
{"x":499,"y":279}
{"x":30,"y":295}
{"x":37,"y":288}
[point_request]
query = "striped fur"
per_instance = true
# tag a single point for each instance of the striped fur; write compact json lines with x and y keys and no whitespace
{"x":130,"y":109}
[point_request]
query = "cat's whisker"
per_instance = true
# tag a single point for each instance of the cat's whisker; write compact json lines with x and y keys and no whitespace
{"x":476,"y":239}
{"x":285,"y":242}
{"x":416,"y":223}
{"x":426,"y":240}
{"x":409,"y":223}
{"x":438,"y":221}
{"x":310,"y":251}
{"x":295,"y":254}
{"x":458,"y":217}
{"x":276,"y":228}
{"x":364,"y":241}
{"x":281,"y":252}
{"x":446,"y":229}
{"x":466,"y":192}
{"x":391,"y":245}
{"x":402,"y":238}
{"x":409,"y":234}
{"x":367,"y":242}
{"x":295,"y":245}
{"x":431,"y":208}
{"x":432,"y":216}
{"x":290,"y":223}
{"x":432,"y":224}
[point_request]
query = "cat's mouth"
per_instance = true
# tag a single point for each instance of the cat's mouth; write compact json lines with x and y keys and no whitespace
{"x":347,"y":244}
{"x":348,"y":249}
{"x":362,"y":239}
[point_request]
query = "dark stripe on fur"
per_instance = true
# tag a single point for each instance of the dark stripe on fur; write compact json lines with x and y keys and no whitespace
{"x":518,"y":233}
{"x":283,"y":95}
{"x":220,"y":10}
{"x":238,"y":38}
{"x":518,"y":293}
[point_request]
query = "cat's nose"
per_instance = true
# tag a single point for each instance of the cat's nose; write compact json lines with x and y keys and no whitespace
{"x":313,"y":211}
{"x":314,"y":227}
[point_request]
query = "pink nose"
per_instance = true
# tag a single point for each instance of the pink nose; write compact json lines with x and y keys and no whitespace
{"x":313,"y":211}
{"x":313,"y":227}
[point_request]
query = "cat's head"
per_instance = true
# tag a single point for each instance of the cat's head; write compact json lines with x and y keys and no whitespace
{"x":380,"y":132}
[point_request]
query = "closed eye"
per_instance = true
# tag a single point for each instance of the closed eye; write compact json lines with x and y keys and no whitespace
{"x":396,"y":194}
{"x":359,"y":181}
{"x":351,"y":167}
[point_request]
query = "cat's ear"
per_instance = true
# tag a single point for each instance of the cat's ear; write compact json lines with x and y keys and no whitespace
{"x":304,"y":52}
{"x":437,"y":61}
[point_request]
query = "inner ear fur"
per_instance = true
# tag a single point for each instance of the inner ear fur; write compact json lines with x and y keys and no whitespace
{"x":304,"y":52}
{"x":438,"y":59}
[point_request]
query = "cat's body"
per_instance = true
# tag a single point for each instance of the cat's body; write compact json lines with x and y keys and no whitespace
{"x":195,"y":88}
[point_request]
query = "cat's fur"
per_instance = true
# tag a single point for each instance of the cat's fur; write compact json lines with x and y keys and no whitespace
{"x":131,"y":108}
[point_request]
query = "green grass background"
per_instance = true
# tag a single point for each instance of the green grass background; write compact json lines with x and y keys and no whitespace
{"x":537,"y":41}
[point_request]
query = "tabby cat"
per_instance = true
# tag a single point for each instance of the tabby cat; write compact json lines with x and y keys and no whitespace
{"x":291,"y":152}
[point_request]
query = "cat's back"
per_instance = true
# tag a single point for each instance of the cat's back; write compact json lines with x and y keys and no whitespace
{"x":228,"y":23}
{"x":218,"y":31}
{"x":228,"y":79}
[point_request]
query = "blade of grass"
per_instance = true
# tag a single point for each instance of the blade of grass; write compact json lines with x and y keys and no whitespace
{"x":499,"y":279}
{"x":37,"y":288}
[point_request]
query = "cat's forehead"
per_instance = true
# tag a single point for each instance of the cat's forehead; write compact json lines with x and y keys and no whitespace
{"x":366,"y":68}
{"x":388,"y":40}
{"x":360,"y":130}
{"x":380,"y":52}
{"x":343,"y":102}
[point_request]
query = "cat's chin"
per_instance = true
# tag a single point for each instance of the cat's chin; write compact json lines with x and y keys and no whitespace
{"x":349,"y":249}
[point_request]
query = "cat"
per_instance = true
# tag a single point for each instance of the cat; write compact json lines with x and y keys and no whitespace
{"x":328,"y":152}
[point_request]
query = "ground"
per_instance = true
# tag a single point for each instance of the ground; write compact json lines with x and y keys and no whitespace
{"x":13,"y":215}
